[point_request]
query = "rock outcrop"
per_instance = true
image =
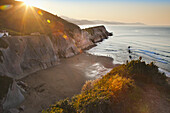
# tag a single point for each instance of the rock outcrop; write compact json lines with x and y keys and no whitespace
{"x":10,"y":101}
{"x":96,"y":34}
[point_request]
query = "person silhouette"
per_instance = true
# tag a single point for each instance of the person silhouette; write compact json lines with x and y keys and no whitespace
{"x":130,"y":56}
{"x":129,"y":51}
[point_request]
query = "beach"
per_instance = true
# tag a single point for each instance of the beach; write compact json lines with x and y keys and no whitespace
{"x":45,"y":87}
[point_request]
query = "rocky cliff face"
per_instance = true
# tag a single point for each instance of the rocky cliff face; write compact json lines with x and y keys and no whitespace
{"x":96,"y":34}
{"x":23,"y":55}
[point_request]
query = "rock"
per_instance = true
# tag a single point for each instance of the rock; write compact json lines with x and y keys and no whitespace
{"x":21,"y":108}
{"x":22,"y":84}
{"x":110,"y":34}
{"x":5,"y":83}
{"x":13,"y":110}
{"x":97,"y":34}
{"x":1,"y":108}
{"x":14,"y":97}
{"x":168,"y":80}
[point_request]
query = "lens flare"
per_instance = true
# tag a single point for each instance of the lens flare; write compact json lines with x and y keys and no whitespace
{"x":5,"y":7}
{"x":40,"y":12}
{"x":48,"y":21}
{"x":65,"y":36}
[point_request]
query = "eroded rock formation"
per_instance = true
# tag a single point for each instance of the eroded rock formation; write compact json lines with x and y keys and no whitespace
{"x":23,"y":55}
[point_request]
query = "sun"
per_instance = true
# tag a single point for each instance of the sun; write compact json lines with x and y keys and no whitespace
{"x":34,"y":3}
{"x":28,"y":2}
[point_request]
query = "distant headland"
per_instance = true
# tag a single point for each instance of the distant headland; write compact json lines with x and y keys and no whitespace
{"x":91,"y":22}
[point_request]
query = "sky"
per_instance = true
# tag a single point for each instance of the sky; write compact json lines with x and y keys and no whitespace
{"x":150,"y":12}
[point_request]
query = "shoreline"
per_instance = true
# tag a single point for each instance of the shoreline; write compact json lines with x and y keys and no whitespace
{"x":161,"y":70}
{"x":47,"y":86}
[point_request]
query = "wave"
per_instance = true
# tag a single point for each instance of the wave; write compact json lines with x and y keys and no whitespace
{"x":149,"y":42}
{"x":164,"y":71}
{"x":151,"y":52}
{"x":158,"y":59}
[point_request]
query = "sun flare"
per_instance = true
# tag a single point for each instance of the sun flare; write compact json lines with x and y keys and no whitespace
{"x":35,"y":3}
{"x":28,"y":2}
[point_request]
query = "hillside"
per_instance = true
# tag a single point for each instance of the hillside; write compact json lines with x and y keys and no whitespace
{"x":20,"y":19}
{"x":93,"y":22}
{"x":135,"y":87}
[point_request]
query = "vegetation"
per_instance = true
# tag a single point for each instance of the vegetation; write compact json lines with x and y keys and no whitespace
{"x":5,"y":82}
{"x":117,"y":91}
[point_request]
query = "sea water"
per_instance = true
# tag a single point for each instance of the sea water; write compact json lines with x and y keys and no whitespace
{"x":152,"y":43}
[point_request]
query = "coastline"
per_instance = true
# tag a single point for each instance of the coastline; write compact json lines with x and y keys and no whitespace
{"x":117,"y":46}
{"x":47,"y":86}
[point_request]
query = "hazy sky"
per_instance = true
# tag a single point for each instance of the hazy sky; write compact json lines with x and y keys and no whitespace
{"x":152,"y":12}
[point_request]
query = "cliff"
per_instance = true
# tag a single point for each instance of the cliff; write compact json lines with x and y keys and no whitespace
{"x":23,"y":55}
{"x":96,"y":34}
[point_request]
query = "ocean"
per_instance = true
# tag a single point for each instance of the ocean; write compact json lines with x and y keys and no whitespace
{"x":129,"y":42}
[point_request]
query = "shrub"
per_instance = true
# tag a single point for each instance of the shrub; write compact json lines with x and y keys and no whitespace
{"x":63,"y":106}
{"x":87,"y":86}
{"x":114,"y":90}
{"x":139,"y":70}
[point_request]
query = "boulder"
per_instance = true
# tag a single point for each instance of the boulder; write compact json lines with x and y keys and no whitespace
{"x":14,"y":97}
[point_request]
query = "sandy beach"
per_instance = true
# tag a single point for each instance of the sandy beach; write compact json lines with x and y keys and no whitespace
{"x":45,"y":87}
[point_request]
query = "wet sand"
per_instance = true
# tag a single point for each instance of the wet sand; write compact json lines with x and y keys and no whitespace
{"x":45,"y":87}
